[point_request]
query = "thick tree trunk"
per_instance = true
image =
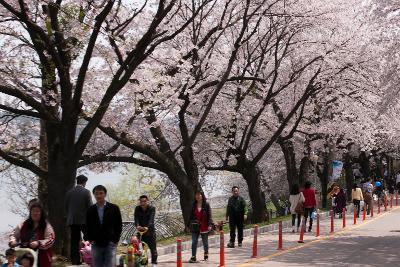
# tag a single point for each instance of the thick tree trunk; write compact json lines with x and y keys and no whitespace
{"x":290,"y":162}
{"x":251,"y":175}
{"x":324,"y":178}
{"x":61,"y":178}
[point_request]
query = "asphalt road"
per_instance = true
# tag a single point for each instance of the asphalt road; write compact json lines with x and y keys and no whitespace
{"x":373,"y":243}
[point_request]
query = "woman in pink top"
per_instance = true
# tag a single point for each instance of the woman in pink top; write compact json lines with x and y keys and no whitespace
{"x":310,"y":203}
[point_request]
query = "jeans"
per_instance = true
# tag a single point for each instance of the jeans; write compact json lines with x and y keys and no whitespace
{"x":357,"y":206}
{"x":195,"y":239}
{"x":233,"y":224}
{"x":150,"y":240}
{"x":307,"y":212}
{"x":75,"y":243}
{"x":294,"y":219}
{"x":104,"y":256}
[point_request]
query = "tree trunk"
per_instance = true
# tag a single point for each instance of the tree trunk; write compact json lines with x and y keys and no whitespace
{"x":43,"y":163}
{"x":304,"y":170}
{"x":251,"y":175}
{"x":348,"y":169}
{"x":61,"y":178}
{"x":290,"y":162}
{"x":364,"y":164}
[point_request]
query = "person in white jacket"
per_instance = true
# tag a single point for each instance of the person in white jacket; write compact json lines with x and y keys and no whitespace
{"x":295,"y":198}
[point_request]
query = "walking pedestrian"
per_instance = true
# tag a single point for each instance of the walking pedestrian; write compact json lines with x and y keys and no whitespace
{"x":310,"y":203}
{"x":296,"y":200}
{"x":103,"y":229}
{"x":340,"y":202}
{"x":200,"y":224}
{"x":357,"y":197}
{"x":77,"y":202}
{"x":35,"y":233}
{"x":144,"y":222}
{"x":368,"y":189}
{"x":236,"y":212}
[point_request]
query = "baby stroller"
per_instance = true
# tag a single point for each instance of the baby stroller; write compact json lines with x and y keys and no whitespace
{"x":137,"y":254}
{"x":20,"y":251}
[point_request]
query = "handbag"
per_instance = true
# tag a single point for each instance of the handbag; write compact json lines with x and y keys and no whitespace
{"x":194,"y":226}
{"x":299,"y":209}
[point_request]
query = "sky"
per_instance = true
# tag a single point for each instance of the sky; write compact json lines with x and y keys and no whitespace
{"x":9,"y":220}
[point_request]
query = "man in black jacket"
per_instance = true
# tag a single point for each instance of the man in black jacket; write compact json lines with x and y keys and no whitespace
{"x":144,"y":222}
{"x":236,"y":211}
{"x":104,"y":227}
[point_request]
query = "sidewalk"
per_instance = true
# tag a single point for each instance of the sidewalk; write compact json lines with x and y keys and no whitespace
{"x":267,"y":243}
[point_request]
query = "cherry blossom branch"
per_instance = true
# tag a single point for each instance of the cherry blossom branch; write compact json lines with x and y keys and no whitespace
{"x":22,"y":162}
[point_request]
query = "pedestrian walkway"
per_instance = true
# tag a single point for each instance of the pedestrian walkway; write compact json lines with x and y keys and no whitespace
{"x":268,"y":244}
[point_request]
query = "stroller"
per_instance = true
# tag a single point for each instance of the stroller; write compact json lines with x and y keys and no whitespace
{"x":20,"y":251}
{"x":137,"y":254}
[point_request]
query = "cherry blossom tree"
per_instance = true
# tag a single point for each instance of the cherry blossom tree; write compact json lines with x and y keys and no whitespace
{"x":61,"y":59}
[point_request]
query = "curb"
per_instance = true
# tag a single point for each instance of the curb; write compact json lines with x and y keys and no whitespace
{"x":215,"y":239}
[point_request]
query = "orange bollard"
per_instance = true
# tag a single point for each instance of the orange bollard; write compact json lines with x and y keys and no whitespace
{"x":364,"y":212}
{"x":221,"y":249}
{"x":255,"y":242}
{"x":280,"y":241}
{"x":332,"y":222}
{"x":303,"y":229}
{"x":355,"y":215}
{"x":344,"y":217}
{"x":318,"y":230}
{"x":179,"y":253}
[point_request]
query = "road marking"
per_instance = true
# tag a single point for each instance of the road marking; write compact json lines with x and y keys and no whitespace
{"x":252,"y":262}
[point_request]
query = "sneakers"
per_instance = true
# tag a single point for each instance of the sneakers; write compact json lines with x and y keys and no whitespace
{"x":231,"y":245}
{"x":205,"y":256}
{"x":240,"y":245}
{"x":154,"y":265}
{"x":309,"y":229}
{"x":192,"y":259}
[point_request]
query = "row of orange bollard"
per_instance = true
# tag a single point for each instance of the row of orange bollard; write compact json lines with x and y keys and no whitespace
{"x":280,"y":230}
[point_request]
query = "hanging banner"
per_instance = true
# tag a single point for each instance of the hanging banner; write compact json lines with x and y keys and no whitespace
{"x":337,"y":167}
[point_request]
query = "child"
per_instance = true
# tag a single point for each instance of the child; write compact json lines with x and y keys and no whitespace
{"x":11,"y":257}
{"x":27,"y":260}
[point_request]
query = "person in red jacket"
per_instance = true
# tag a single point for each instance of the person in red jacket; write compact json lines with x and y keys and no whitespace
{"x":200,"y":224}
{"x":310,"y":203}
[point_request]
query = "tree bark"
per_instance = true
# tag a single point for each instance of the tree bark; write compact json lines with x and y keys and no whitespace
{"x":290,"y":162}
{"x":364,"y":164}
{"x":252,"y":176}
{"x":348,"y":169}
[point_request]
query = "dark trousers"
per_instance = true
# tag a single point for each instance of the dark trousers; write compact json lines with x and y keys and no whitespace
{"x":307,"y":213}
{"x":233,"y":224}
{"x":357,"y":206}
{"x":76,"y":231}
{"x":151,"y":241}
{"x":294,"y":219}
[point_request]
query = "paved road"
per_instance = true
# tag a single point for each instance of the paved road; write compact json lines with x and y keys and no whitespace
{"x":375,"y":242}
